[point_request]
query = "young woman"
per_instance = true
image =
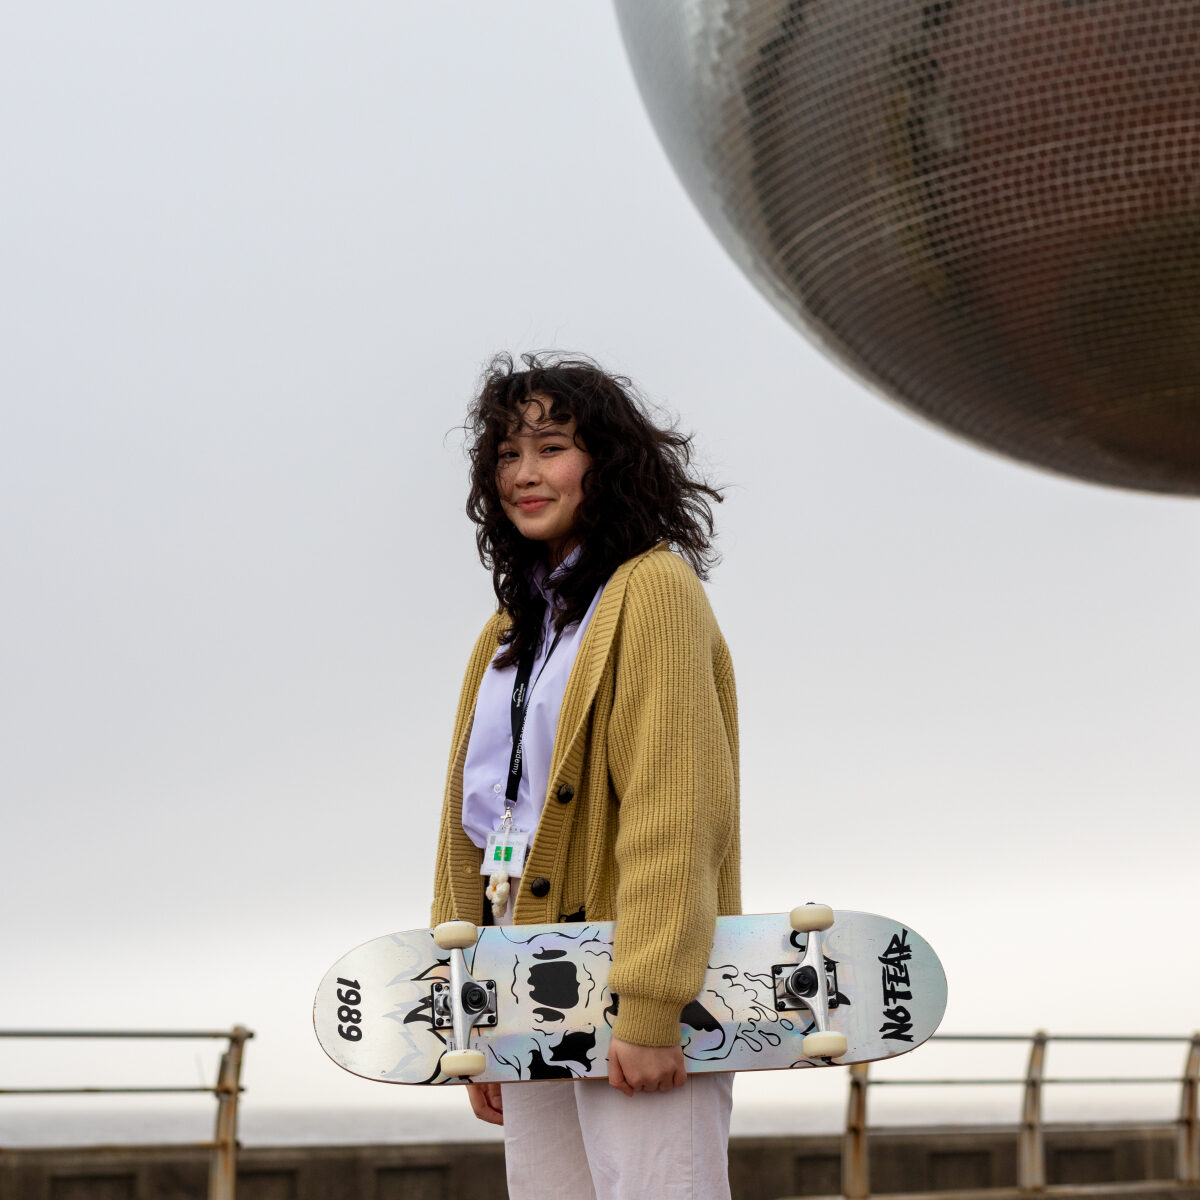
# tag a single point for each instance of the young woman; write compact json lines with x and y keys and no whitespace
{"x":597,"y":727}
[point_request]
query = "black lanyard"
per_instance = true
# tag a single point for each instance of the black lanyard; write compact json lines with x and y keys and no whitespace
{"x":519,"y":710}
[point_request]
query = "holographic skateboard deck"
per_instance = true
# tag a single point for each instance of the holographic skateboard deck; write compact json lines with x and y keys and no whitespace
{"x":812,"y":988}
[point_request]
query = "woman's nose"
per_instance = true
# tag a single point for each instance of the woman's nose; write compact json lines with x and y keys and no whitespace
{"x":527,"y":468}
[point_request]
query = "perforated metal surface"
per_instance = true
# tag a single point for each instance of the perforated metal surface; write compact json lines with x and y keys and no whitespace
{"x":990,"y":209}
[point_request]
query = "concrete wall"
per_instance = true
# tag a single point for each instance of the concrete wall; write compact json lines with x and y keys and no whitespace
{"x":947,"y":1160}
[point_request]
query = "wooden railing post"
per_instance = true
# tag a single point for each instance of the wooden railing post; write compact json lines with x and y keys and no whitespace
{"x":1031,"y":1148}
{"x":1188,"y":1164}
{"x":222,"y":1179}
{"x":856,"y":1176}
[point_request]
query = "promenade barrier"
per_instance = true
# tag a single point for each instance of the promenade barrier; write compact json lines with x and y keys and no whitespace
{"x":222,"y":1178}
{"x":1031,"y":1137}
{"x":1146,"y":1160}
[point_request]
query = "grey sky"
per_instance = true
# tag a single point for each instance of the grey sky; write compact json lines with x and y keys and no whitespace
{"x":251,"y":260}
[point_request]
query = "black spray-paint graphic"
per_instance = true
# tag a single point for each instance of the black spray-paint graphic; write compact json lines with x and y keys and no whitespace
{"x":553,"y":986}
{"x":570,"y":1048}
{"x":420,"y":1014}
{"x":698,"y":1017}
{"x":897,"y":986}
{"x":756,"y":1029}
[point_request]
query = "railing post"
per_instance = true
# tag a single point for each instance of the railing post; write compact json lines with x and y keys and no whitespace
{"x":1188,"y":1166}
{"x":1031,"y":1149}
{"x":856,"y":1177}
{"x":222,"y":1179}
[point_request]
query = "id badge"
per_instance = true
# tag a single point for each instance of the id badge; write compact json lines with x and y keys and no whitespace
{"x":505,"y":851}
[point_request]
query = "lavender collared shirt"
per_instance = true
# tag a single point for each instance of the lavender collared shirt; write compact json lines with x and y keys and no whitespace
{"x":485,"y":770}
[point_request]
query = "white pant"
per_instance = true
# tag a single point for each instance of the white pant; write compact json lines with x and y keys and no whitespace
{"x":584,"y":1140}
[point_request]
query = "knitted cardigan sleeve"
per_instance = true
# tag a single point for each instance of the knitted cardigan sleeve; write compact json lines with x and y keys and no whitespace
{"x":672,"y":760}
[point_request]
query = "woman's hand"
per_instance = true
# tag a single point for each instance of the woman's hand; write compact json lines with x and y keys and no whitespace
{"x":486,"y":1103}
{"x":645,"y":1068}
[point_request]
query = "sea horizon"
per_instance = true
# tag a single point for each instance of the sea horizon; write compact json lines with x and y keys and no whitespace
{"x":108,"y":1120}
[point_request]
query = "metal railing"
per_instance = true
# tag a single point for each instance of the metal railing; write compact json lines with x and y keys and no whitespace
{"x":1031,"y":1156}
{"x":222,"y":1177}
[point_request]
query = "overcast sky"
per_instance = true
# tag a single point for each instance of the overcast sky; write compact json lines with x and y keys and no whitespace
{"x":252,"y":257}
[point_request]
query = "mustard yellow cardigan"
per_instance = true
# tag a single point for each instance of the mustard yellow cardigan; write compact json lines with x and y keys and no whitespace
{"x":641,"y":815}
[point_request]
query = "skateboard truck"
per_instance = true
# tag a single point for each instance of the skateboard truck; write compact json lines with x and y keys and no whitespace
{"x":806,"y":985}
{"x":478,"y":1000}
{"x":462,"y":1003}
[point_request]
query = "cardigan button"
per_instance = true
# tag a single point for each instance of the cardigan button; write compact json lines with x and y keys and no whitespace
{"x":539,"y":887}
{"x":565,"y":794}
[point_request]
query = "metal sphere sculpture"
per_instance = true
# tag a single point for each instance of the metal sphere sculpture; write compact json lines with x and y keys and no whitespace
{"x":989,"y":209}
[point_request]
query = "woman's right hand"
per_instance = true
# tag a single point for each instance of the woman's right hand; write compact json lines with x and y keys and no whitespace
{"x":633,"y":1068}
{"x":486,"y":1103}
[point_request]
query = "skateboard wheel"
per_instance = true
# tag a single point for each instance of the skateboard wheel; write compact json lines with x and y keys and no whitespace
{"x":807,"y":917}
{"x":819,"y":1045}
{"x":455,"y":935}
{"x":456,"y":1063}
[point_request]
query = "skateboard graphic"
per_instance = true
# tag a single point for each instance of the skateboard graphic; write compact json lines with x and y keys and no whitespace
{"x":528,"y":1002}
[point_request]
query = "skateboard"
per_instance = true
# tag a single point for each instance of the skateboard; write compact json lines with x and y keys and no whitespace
{"x":524,"y":1002}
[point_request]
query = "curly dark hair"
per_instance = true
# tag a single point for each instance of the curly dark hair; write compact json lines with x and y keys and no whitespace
{"x":639,"y":490}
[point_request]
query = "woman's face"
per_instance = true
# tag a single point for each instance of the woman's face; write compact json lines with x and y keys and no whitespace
{"x":539,"y":475}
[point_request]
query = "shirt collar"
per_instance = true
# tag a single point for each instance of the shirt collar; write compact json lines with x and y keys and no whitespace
{"x":544,"y":581}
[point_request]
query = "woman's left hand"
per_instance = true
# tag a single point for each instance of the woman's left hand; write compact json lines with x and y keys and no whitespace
{"x":645,"y":1068}
{"x":486,"y":1102}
